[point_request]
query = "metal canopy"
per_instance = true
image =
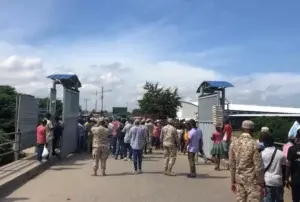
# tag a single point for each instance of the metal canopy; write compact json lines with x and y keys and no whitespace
{"x":213,"y":85}
{"x":67,"y":80}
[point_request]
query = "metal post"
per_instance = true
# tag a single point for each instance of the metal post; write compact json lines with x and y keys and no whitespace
{"x":53,"y":100}
{"x":17,"y":144}
{"x":96,"y":102}
{"x":102,"y":99}
{"x":86,"y":100}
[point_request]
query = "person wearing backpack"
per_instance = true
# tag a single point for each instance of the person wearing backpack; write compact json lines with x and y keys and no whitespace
{"x":275,"y":168}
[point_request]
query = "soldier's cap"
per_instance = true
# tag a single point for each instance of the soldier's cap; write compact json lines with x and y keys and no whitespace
{"x":265,"y":129}
{"x":247,"y":124}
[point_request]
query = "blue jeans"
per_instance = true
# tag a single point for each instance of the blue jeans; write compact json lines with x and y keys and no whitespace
{"x":127,"y":148}
{"x":39,"y":151}
{"x":81,"y":143}
{"x":119,"y":148}
{"x":274,"y":194}
{"x":137,"y":158}
{"x":114,"y":144}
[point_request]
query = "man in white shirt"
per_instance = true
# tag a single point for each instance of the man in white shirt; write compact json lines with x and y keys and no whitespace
{"x":49,"y":133}
{"x":274,"y":170}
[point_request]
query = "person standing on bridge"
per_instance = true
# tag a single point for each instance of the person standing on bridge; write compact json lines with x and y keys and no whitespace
{"x":246,"y":166}
{"x":149,"y":125}
{"x":217,"y":149}
{"x":41,"y":139}
{"x":137,"y":136}
{"x":49,"y":133}
{"x":194,"y":141}
{"x":100,"y":146}
{"x":170,"y":143}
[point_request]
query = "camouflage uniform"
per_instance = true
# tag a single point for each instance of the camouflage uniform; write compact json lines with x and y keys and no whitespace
{"x":100,"y":148}
{"x":89,"y":138}
{"x":246,"y":167}
{"x":170,"y":141}
{"x":149,"y":136}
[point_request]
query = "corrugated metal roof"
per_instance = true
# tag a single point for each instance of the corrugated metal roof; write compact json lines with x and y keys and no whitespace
{"x":268,"y":115}
{"x":61,"y":76}
{"x":219,"y":84}
{"x":266,"y":109}
{"x":257,"y":108}
{"x":214,"y":84}
{"x":66,"y":77}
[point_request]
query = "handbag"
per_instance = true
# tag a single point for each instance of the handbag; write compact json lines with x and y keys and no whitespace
{"x":45,"y":152}
{"x":271,"y":161}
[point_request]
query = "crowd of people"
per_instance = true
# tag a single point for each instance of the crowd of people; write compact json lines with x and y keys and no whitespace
{"x":131,"y":139}
{"x":258,"y":170}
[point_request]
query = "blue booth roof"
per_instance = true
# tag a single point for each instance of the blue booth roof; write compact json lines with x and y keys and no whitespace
{"x":214,"y":84}
{"x":70,"y":80}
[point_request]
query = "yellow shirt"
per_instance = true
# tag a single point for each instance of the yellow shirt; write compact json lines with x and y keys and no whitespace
{"x":186,"y":136}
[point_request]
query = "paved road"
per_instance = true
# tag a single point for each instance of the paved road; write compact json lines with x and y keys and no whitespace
{"x":71,"y":180}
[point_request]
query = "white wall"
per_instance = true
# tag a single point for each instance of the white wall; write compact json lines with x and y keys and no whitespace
{"x":187,"y":111}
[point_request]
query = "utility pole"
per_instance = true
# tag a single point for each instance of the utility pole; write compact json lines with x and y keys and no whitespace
{"x":86,"y":101}
{"x":102,"y":97}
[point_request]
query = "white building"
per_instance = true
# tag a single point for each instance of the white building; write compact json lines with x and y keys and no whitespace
{"x":190,"y":109}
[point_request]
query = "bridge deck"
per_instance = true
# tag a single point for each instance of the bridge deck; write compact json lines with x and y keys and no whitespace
{"x":71,"y":180}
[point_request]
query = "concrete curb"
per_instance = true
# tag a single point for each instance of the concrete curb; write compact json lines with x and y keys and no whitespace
{"x":10,"y":186}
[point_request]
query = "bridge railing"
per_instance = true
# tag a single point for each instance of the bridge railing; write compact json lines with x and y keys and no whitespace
{"x":10,"y":144}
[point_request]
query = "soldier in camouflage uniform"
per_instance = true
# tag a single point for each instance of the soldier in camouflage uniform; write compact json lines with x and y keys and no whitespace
{"x":149,"y":125}
{"x":246,"y":167}
{"x":100,"y":146}
{"x":89,"y":137}
{"x":170,"y":142}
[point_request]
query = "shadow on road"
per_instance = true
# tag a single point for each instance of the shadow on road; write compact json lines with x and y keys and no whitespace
{"x":63,"y":168}
{"x":199,"y":176}
{"x":14,"y":199}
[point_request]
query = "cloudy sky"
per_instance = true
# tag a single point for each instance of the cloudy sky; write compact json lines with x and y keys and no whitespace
{"x":119,"y":44}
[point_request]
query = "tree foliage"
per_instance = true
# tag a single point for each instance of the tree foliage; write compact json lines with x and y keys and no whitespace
{"x":7,"y":108}
{"x":43,"y":104}
{"x":279,"y":126}
{"x":7,"y":120}
{"x":136,"y":112}
{"x":159,"y":101}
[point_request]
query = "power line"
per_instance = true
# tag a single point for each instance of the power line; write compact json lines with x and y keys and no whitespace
{"x":102,"y":97}
{"x":86,"y":104}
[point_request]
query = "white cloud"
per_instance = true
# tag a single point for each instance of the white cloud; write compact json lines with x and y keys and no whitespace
{"x":124,"y":63}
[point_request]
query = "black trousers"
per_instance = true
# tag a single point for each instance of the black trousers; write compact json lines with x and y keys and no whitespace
{"x":295,"y":192}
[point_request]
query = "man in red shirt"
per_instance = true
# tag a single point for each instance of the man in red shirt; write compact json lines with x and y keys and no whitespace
{"x":227,"y":132}
{"x":41,"y":139}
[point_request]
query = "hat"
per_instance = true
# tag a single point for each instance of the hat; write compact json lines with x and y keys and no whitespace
{"x":247,"y":124}
{"x":148,"y":119}
{"x":265,"y":129}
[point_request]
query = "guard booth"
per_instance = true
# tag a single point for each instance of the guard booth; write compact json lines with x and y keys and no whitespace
{"x":71,"y":84}
{"x":211,"y":93}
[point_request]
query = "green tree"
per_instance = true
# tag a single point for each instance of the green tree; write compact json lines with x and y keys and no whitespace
{"x":136,"y":112}
{"x":279,"y":127}
{"x":44,"y":102}
{"x":7,"y":121}
{"x":159,"y":101}
{"x":7,"y":108}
